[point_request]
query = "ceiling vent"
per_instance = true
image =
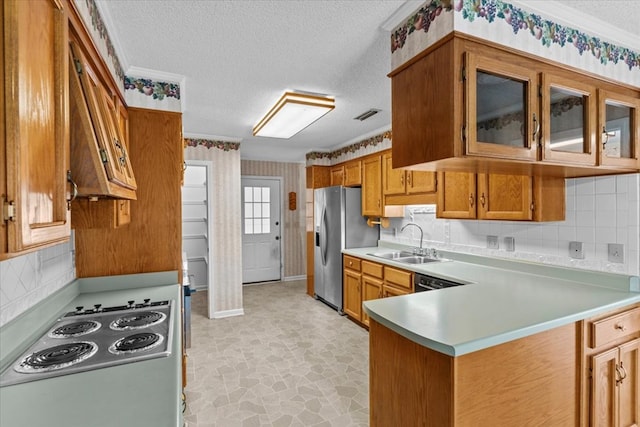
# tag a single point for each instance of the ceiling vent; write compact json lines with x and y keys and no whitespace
{"x":367,"y":114}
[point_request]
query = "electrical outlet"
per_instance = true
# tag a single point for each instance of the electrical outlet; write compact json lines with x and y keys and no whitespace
{"x":616,"y":252}
{"x":575,"y":250}
{"x":509,"y":244}
{"x":492,"y":242}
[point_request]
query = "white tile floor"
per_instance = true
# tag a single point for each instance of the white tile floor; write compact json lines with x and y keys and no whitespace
{"x":289,"y":361}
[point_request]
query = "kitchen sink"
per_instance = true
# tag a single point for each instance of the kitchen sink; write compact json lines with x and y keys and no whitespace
{"x":404,"y":257}
{"x":392,"y":255}
{"x":416,"y":259}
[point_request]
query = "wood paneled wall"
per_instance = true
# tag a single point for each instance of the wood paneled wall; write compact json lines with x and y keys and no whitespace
{"x":153,"y":239}
{"x":293,"y":175}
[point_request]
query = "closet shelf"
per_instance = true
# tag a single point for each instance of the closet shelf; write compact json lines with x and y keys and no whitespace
{"x":197,"y":259}
{"x":193,"y":236}
{"x":194,"y":219}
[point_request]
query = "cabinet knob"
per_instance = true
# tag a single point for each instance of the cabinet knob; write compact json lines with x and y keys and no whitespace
{"x":621,"y":327}
{"x":402,"y":179}
{"x":482,"y":200}
{"x":350,"y":263}
{"x":471,"y":200}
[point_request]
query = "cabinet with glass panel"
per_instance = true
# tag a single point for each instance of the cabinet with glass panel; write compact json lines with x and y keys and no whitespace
{"x":619,"y":129}
{"x":468,"y":104}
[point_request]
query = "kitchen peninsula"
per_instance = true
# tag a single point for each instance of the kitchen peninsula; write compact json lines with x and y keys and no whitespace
{"x":515,"y":346}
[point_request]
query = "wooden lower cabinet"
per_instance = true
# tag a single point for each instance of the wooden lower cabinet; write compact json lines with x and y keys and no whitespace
{"x":372,"y":284}
{"x":352,"y":298}
{"x":612,"y":388}
{"x":365,"y":280}
{"x":531,"y":381}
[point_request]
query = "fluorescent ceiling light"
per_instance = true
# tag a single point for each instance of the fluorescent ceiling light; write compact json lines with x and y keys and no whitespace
{"x":292,"y":113}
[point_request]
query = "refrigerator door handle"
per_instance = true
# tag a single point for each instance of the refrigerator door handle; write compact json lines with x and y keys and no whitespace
{"x":323,"y":236}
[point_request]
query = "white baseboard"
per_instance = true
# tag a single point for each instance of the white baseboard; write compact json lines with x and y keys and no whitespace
{"x":293,"y":278}
{"x":228,"y":313}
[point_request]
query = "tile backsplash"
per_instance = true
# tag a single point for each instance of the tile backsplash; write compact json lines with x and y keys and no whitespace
{"x":599,"y":211}
{"x":30,"y":278}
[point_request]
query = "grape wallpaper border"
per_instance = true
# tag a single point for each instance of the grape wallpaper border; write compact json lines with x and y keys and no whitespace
{"x":494,"y":11}
{"x":211,"y":143}
{"x":373,"y":141}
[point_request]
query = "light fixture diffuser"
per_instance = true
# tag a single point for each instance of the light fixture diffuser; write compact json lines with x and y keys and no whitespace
{"x":293,"y":112}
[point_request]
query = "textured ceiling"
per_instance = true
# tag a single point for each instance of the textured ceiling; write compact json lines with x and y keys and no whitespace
{"x":239,"y":56}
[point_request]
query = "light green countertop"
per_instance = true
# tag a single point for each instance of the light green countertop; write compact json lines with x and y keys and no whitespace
{"x":139,"y":394}
{"x":504,"y":301}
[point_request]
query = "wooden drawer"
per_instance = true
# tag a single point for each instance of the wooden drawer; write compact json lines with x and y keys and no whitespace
{"x":352,"y":263}
{"x":400,"y":278}
{"x":614,"y":327}
{"x":392,"y":291}
{"x":372,"y":269}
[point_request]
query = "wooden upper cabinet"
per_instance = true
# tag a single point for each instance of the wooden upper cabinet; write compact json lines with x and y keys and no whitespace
{"x":505,"y":197}
{"x":501,"y":108}
{"x":400,"y":181}
{"x":372,"y":186}
{"x":35,"y":125}
{"x":456,"y":195}
{"x":464,"y":195}
{"x":569,"y":114}
{"x":337,"y":175}
{"x":618,"y":129}
{"x":353,"y":173}
{"x":99,"y":155}
{"x":318,"y":177}
{"x":466,"y":104}
{"x":393,"y":180}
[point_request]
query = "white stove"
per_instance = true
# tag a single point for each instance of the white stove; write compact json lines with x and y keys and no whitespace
{"x":96,"y":338}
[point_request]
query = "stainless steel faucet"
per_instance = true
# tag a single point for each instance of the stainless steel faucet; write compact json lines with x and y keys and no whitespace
{"x":420,"y":251}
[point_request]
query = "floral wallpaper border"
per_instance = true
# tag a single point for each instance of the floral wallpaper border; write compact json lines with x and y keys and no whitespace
{"x":373,"y":141}
{"x":155,"y":89}
{"x":548,"y":32}
{"x":101,"y":30}
{"x":211,"y":143}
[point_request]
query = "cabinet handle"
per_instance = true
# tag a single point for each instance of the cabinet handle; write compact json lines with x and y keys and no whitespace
{"x":409,"y":179}
{"x":401,"y":179}
{"x":378,"y":202}
{"x":350,"y":263}
{"x":74,"y":190}
{"x":621,"y":327}
{"x":621,"y":373}
{"x":482,"y":200}
{"x":471,"y":200}
{"x":536,"y":127}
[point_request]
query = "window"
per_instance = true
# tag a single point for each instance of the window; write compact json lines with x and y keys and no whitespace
{"x":257,"y":208}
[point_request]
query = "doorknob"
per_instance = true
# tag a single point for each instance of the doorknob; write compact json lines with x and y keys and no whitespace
{"x":277,"y":237}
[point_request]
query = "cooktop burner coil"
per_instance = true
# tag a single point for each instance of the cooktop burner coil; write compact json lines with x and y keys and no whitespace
{"x":137,"y":342}
{"x":75,"y":329}
{"x":57,"y":357}
{"x":137,"y":320}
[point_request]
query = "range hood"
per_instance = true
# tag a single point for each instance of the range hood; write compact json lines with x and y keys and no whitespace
{"x":100,"y":164}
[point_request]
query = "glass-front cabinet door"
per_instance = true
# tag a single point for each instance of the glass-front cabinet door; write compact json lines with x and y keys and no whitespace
{"x":619,"y":130}
{"x":501,"y":109}
{"x":569,"y":116}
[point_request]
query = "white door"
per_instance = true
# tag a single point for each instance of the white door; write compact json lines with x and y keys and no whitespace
{"x":261,"y":230}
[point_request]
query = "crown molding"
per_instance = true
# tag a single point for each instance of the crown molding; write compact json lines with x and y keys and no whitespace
{"x":111,"y":30}
{"x":574,"y":18}
{"x":397,"y":17}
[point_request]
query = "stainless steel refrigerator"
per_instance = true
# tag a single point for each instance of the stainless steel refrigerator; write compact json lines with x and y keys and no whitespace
{"x":339,"y":224}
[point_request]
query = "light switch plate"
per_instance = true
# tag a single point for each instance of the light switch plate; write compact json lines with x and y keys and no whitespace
{"x":616,"y":252}
{"x":509,"y":244}
{"x":575,"y":250}
{"x":492,"y":242}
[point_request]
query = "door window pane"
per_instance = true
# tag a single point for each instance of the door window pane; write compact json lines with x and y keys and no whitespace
{"x":257,"y":210}
{"x":617,"y":135}
{"x":567,"y":121}
{"x":500,"y":109}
